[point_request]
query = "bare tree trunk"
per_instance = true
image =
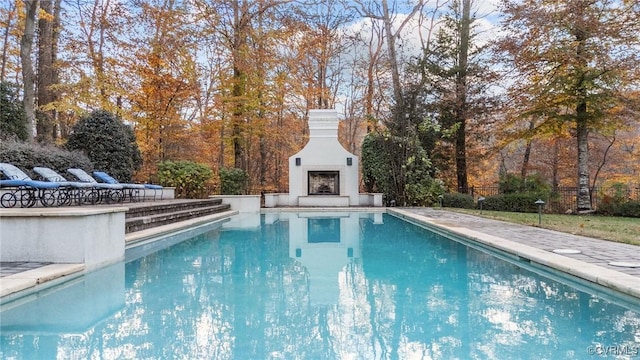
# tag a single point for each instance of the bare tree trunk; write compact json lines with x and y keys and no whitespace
{"x":391,"y":47}
{"x":280,"y":146}
{"x":525,"y":160}
{"x":47,"y":72}
{"x":603,"y":162}
{"x":556,"y":159}
{"x":582,"y":127}
{"x":461,"y":98}
{"x":527,"y":153}
{"x":28,"y":76}
{"x":461,"y":158}
{"x":238,"y":113}
{"x":582,"y":135}
{"x":374,"y":55}
{"x":222,"y":147}
{"x":401,"y":114}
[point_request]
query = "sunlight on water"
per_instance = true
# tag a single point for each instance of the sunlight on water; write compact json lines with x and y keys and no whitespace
{"x":316,"y":286}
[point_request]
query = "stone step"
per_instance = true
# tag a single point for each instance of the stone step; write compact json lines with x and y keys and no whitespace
{"x":148,"y":209}
{"x":143,"y":222}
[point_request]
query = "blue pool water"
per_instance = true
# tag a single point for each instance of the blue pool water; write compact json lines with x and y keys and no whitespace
{"x":315,"y":286}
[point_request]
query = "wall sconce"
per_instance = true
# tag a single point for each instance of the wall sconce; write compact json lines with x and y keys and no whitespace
{"x":349,"y":161}
{"x":298,"y":161}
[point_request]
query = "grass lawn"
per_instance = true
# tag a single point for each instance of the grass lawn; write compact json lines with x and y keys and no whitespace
{"x":619,"y":229}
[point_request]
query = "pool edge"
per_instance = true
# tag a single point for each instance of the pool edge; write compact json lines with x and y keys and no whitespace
{"x":611,"y":279}
{"x":17,"y":286}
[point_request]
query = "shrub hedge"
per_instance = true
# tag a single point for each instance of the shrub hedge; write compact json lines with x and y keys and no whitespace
{"x":515,"y":202}
{"x":626,"y":209}
{"x":189,"y":178}
{"x":455,"y":200}
{"x":26,"y":156}
{"x":233,"y":181}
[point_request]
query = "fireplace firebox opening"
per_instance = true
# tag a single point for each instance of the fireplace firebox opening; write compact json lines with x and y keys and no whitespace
{"x":323,"y":183}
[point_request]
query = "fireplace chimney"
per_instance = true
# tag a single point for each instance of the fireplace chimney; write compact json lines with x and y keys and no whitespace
{"x":323,"y":173}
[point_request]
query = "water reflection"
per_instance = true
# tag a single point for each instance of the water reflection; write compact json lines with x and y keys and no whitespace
{"x":310,"y":286}
{"x":324,"y":245}
{"x":37,"y":327}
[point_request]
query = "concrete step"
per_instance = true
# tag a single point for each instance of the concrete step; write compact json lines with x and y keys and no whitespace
{"x":158,"y":216}
{"x":148,"y":209}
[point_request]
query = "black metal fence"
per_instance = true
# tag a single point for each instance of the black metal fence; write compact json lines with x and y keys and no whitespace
{"x":563,"y":199}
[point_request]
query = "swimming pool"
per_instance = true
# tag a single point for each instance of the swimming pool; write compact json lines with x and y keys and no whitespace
{"x":317,"y":286}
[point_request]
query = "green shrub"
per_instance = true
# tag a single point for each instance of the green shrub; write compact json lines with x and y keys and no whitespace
{"x":108,"y":142}
{"x":377,"y":173}
{"x":13,"y":122}
{"x":626,"y":209}
{"x":189,"y":178}
{"x":511,"y":184}
{"x":616,"y":193}
{"x":606,"y":208}
{"x":425,"y":192}
{"x":629,"y":209}
{"x":514,"y":202}
{"x":233,"y":181}
{"x":456,"y":200}
{"x":26,"y":156}
{"x":404,"y":179}
{"x":614,"y":201}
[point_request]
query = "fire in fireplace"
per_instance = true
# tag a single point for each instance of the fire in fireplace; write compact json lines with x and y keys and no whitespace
{"x":324,"y":182}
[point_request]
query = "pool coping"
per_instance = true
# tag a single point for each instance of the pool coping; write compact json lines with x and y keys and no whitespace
{"x":611,"y":279}
{"x":24,"y":283}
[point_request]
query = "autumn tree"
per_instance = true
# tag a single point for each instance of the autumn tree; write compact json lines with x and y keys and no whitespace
{"x":576,"y":61}
{"x":319,"y":50}
{"x":165,"y":70}
{"x":96,"y":47}
{"x":38,"y":81}
{"x":243,"y":31}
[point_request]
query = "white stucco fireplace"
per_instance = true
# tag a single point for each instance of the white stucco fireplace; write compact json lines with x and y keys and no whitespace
{"x":323,"y":173}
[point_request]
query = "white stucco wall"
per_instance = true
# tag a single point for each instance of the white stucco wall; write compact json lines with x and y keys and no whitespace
{"x":240,"y":203}
{"x":323,"y":152}
{"x":93,"y":236}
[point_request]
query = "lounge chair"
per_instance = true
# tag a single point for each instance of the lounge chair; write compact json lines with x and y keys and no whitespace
{"x":74,"y":191}
{"x":111,"y":180}
{"x":20,"y":188}
{"x":108,"y":192}
{"x":136,"y":191}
